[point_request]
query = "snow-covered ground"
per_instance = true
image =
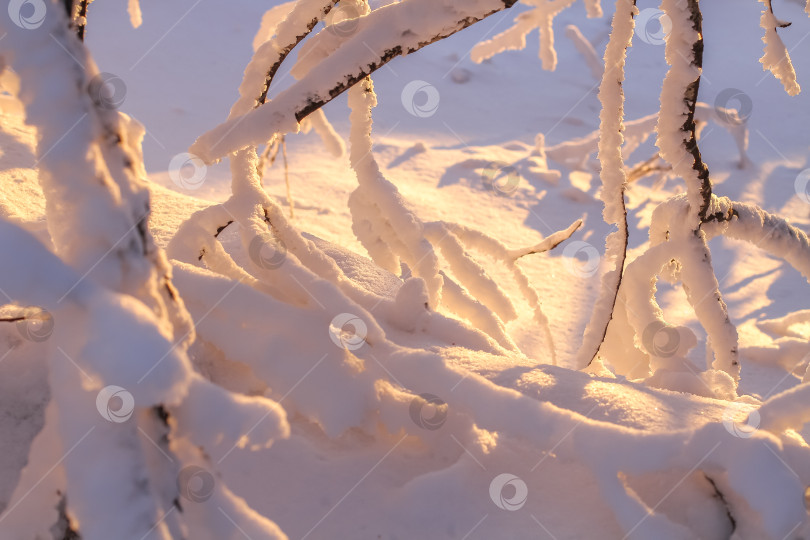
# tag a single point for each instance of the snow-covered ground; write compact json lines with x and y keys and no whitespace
{"x":501,"y":444}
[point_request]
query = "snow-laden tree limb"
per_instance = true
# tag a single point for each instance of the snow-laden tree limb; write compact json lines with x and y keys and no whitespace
{"x":303,"y":268}
{"x":449,"y":234}
{"x":699,"y":284}
{"x":741,"y":221}
{"x":262,"y":68}
{"x":92,"y":323}
{"x":380,"y":37}
{"x":90,"y":169}
{"x":677,"y":139}
{"x":670,"y":254}
{"x":677,"y":143}
{"x":134,"y":11}
{"x":378,"y":202}
{"x":92,"y":174}
{"x":391,"y":232}
{"x":775,"y":56}
{"x":613,"y":176}
{"x":387,"y":229}
{"x":541,"y":16}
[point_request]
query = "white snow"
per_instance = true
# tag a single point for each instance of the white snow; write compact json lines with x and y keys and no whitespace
{"x":399,"y":357}
{"x":775,"y":57}
{"x":135,"y":16}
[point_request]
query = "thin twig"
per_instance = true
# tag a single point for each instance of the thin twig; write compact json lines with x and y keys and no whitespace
{"x":640,"y":170}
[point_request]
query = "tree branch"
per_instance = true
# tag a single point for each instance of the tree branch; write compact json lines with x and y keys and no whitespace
{"x":81,"y":18}
{"x":353,"y":58}
{"x":284,"y":52}
{"x":690,"y":99}
{"x":613,"y":177}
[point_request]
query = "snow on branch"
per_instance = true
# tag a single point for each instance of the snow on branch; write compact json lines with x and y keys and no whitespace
{"x":288,"y":33}
{"x":574,"y":153}
{"x":454,"y":238}
{"x":646,"y":318}
{"x":390,"y":232}
{"x":272,"y":44}
{"x":91,"y":323}
{"x":270,"y":21}
{"x":775,"y":56}
{"x":677,"y":143}
{"x":613,"y":176}
{"x":134,"y":11}
{"x":678,"y":254}
{"x":762,"y":229}
{"x":77,"y":13}
{"x":681,"y":228}
{"x":339,"y":396}
{"x":541,"y":17}
{"x":550,"y":242}
{"x":92,"y":174}
{"x":677,"y":140}
{"x":299,"y":272}
{"x":384,"y":34}
{"x":90,"y":167}
{"x":377,"y":201}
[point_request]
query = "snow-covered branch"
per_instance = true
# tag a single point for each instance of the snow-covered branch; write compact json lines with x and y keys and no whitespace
{"x":677,"y":138}
{"x":775,"y":56}
{"x":377,"y":205}
{"x":90,"y":167}
{"x":541,"y":17}
{"x":91,"y":322}
{"x":263,"y":66}
{"x":575,"y":153}
{"x":383,"y":35}
{"x":673,"y":253}
{"x":613,"y":176}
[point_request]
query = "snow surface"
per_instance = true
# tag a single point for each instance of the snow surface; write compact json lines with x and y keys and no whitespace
{"x":408,"y":431}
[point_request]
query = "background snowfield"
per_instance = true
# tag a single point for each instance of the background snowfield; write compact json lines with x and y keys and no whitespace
{"x":580,"y":449}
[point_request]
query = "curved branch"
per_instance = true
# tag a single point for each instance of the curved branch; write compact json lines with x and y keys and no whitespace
{"x":307,"y":10}
{"x":356,"y":57}
{"x":284,"y":52}
{"x":613,"y":176}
